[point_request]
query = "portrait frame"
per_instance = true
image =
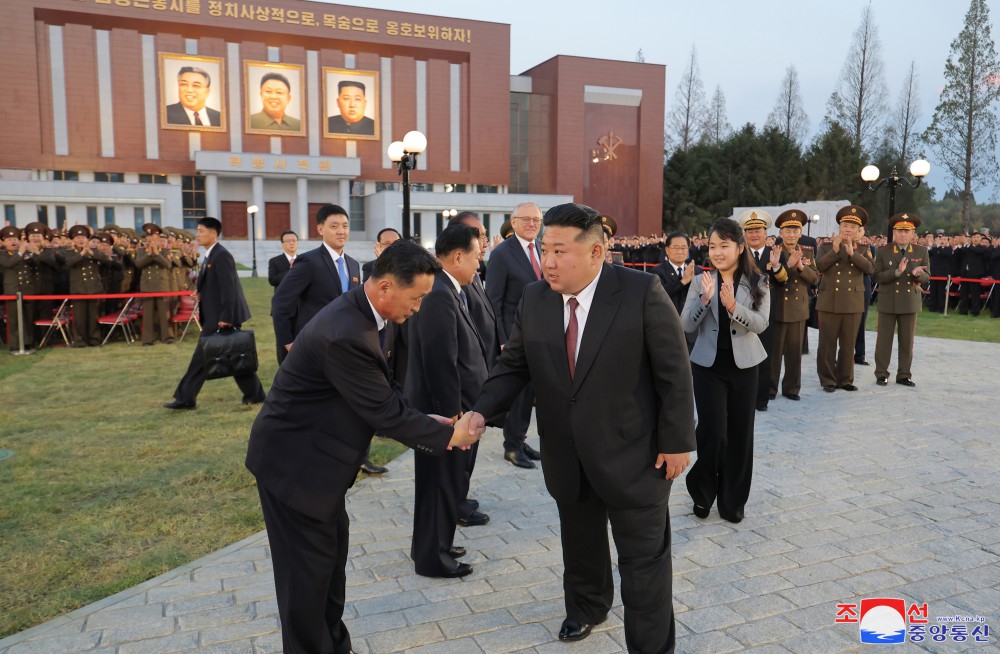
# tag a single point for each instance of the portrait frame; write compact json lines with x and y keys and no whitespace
{"x":253,"y":72}
{"x":215,"y":105}
{"x":332,"y":77}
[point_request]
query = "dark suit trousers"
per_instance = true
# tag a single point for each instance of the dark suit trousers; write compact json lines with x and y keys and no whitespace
{"x":192,"y":381}
{"x":836,"y":367}
{"x":887,"y":324}
{"x":438,"y":490}
{"x":724,"y":397}
{"x":788,"y":346}
{"x":309,"y":558}
{"x":642,"y":536}
{"x":515,"y":427}
{"x":155,"y":320}
{"x":764,"y":367}
{"x":859,"y":338}
{"x":465,"y":509}
{"x":85,"y":328}
{"x":938,"y":296}
{"x":970,"y":297}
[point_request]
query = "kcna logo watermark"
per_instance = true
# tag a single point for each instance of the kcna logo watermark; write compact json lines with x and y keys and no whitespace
{"x":885,"y":620}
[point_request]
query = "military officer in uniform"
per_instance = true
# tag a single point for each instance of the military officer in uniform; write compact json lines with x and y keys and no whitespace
{"x":901,"y":269}
{"x":755,"y":224}
{"x":49,"y":267}
{"x":18,"y":266}
{"x":841,"y":299}
{"x":154,"y":270}
{"x":793,"y":275}
{"x":85,"y":279}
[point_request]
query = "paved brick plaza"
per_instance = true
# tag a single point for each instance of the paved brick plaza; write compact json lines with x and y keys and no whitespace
{"x":883,"y":492}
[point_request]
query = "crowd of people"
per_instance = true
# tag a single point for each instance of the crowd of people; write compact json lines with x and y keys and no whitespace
{"x":79,"y":261}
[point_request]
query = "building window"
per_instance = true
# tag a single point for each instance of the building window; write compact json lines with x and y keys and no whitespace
{"x":386,"y":186}
{"x":486,"y":188}
{"x":152,"y":179}
{"x":138,"y":217}
{"x":92,"y":216}
{"x":43,"y":214}
{"x":455,"y":188}
{"x":65,"y":176}
{"x":109,"y":177}
{"x":520,"y":122}
{"x":109,"y":215}
{"x":415,"y":223}
{"x":357,"y":207}
{"x":154,"y":216}
{"x":60,"y":215}
{"x":421,"y":187}
{"x":193,"y":196}
{"x":10,"y":214}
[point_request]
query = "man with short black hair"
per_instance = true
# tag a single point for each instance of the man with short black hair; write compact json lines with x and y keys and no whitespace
{"x":277,"y":267}
{"x":223,"y":306}
{"x":352,"y":104}
{"x":383,"y":239}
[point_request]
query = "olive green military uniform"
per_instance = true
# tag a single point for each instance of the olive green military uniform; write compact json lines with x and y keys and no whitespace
{"x":789,"y":313}
{"x":85,"y":279}
{"x":899,"y":301}
{"x":19,"y":276}
{"x":154,"y":277}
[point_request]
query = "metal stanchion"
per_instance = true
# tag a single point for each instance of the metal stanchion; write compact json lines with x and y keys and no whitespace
{"x":947,"y":294}
{"x":20,"y":324}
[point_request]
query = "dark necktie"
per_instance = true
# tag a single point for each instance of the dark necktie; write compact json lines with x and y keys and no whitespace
{"x":571,"y":336}
{"x":756,"y":256}
{"x":381,"y":338}
{"x":197,"y":119}
{"x":534,"y":261}
{"x":464,"y":298}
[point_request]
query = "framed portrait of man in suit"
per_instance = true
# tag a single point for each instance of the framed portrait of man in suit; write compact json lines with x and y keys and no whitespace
{"x":275,"y":99}
{"x":350,"y":104}
{"x":192,"y":93}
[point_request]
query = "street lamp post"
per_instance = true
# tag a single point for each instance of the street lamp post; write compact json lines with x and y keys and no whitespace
{"x":252,"y":210}
{"x":812,"y":219}
{"x":870,"y":173}
{"x":404,"y":154}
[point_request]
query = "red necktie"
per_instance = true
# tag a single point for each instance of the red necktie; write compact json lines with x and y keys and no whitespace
{"x":291,"y":262}
{"x":534,"y":261}
{"x":571,"y":336}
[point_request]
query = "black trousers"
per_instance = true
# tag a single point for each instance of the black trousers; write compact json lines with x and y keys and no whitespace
{"x":859,"y":340}
{"x":439,"y":488}
{"x":937,"y":298}
{"x":190,"y":384}
{"x":309,"y":558}
{"x":970,"y":297}
{"x":465,"y":508}
{"x":724,"y":396}
{"x":515,"y":427}
{"x":86,"y":331}
{"x":642,"y":536}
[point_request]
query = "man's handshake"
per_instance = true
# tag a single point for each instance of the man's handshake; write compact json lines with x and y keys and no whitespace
{"x":469,"y":428}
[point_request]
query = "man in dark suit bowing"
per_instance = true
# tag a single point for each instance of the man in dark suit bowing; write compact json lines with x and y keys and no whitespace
{"x":317,"y":278}
{"x":446,"y":371}
{"x":606,"y":354}
{"x":513,"y":265}
{"x":220,"y":297}
{"x":330,"y":395}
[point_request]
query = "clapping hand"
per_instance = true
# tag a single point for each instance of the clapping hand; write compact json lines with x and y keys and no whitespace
{"x":776,"y":259}
{"x":918,"y":271}
{"x":836,"y":243}
{"x":707,"y":287}
{"x":849,"y":247}
{"x":902,"y":265}
{"x":688,"y":273}
{"x":727,"y":294}
{"x":795,"y":260}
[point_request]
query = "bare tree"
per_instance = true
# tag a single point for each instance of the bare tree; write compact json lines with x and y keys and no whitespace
{"x":716,"y":127}
{"x":963,"y":131}
{"x":640,"y":57}
{"x":686,"y":117}
{"x":904,"y":119}
{"x":859,"y":102}
{"x":788,"y":115}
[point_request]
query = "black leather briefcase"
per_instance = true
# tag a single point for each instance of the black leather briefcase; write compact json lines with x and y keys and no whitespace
{"x":228,"y":353}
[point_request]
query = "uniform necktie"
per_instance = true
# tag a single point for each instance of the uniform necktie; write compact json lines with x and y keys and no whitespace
{"x":534,"y":261}
{"x":342,"y":270}
{"x":571,"y":336}
{"x":464,"y":298}
{"x":381,"y":338}
{"x":756,"y":256}
{"x":197,"y":119}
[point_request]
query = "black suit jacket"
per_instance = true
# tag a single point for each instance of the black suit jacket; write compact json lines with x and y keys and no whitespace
{"x":510,"y":271}
{"x":337,"y":125}
{"x":366,"y":270}
{"x":221,"y":294}
{"x":277,"y":268}
{"x":631,"y":398}
{"x":447,"y":358}
{"x":671,"y":281}
{"x":330,"y":396}
{"x":311,"y":284}
{"x":485,"y":319}
{"x":177,"y":116}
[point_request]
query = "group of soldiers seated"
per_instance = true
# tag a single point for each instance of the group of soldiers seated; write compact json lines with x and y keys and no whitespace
{"x":38,"y":260}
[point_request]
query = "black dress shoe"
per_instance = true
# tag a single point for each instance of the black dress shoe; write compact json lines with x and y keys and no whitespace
{"x":701,"y":511}
{"x":471,"y":503}
{"x":457,"y":552}
{"x":532,"y":453}
{"x":861,"y":362}
{"x":574,"y":630}
{"x":829,"y":389}
{"x":906,"y":382}
{"x":735,"y":519}
{"x":474,"y":519}
{"x":460,"y":570}
{"x":849,"y":387}
{"x":771,"y":396}
{"x":882,"y":381}
{"x":249,"y":401}
{"x":791,"y":396}
{"x":518,"y":458}
{"x":370,"y":468}
{"x":177,"y":404}
{"x":762,"y":407}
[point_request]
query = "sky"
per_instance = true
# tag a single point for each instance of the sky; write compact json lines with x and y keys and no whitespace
{"x":743,"y":47}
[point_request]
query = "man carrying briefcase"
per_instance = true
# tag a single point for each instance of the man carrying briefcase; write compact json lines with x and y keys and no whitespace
{"x":223,"y":307}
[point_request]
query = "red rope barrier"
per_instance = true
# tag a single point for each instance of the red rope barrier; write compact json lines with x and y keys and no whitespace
{"x":105,"y":296}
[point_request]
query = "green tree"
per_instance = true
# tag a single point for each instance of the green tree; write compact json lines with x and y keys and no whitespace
{"x":963,"y":131}
{"x":833,"y":166}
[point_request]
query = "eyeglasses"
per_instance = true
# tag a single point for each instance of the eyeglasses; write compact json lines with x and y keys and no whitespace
{"x":529,"y":221}
{"x":677,"y":247}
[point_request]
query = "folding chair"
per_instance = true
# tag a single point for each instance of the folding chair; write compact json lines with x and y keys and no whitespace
{"x":122,"y":319}
{"x":187,"y":312}
{"x":60,"y":320}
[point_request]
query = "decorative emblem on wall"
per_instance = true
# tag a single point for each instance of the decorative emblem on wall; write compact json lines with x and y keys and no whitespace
{"x":608,"y":144}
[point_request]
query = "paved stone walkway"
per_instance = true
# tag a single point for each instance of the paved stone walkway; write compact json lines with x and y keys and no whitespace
{"x":883,"y":492}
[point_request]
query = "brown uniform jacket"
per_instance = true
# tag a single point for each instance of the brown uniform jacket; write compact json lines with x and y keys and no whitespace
{"x":790,"y":291}
{"x":85,"y":271}
{"x":900,"y":294}
{"x":154,"y":270}
{"x":842,"y":289}
{"x":18,"y":272}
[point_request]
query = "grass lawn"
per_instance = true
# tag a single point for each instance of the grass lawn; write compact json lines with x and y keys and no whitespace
{"x":964,"y":328}
{"x":108,"y":489}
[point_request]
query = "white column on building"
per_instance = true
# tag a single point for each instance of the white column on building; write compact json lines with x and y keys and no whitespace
{"x":258,"y":199}
{"x":301,"y":224}
{"x":345,"y":194}
{"x":60,"y":131}
{"x":150,"y":106}
{"x":212,"y":205}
